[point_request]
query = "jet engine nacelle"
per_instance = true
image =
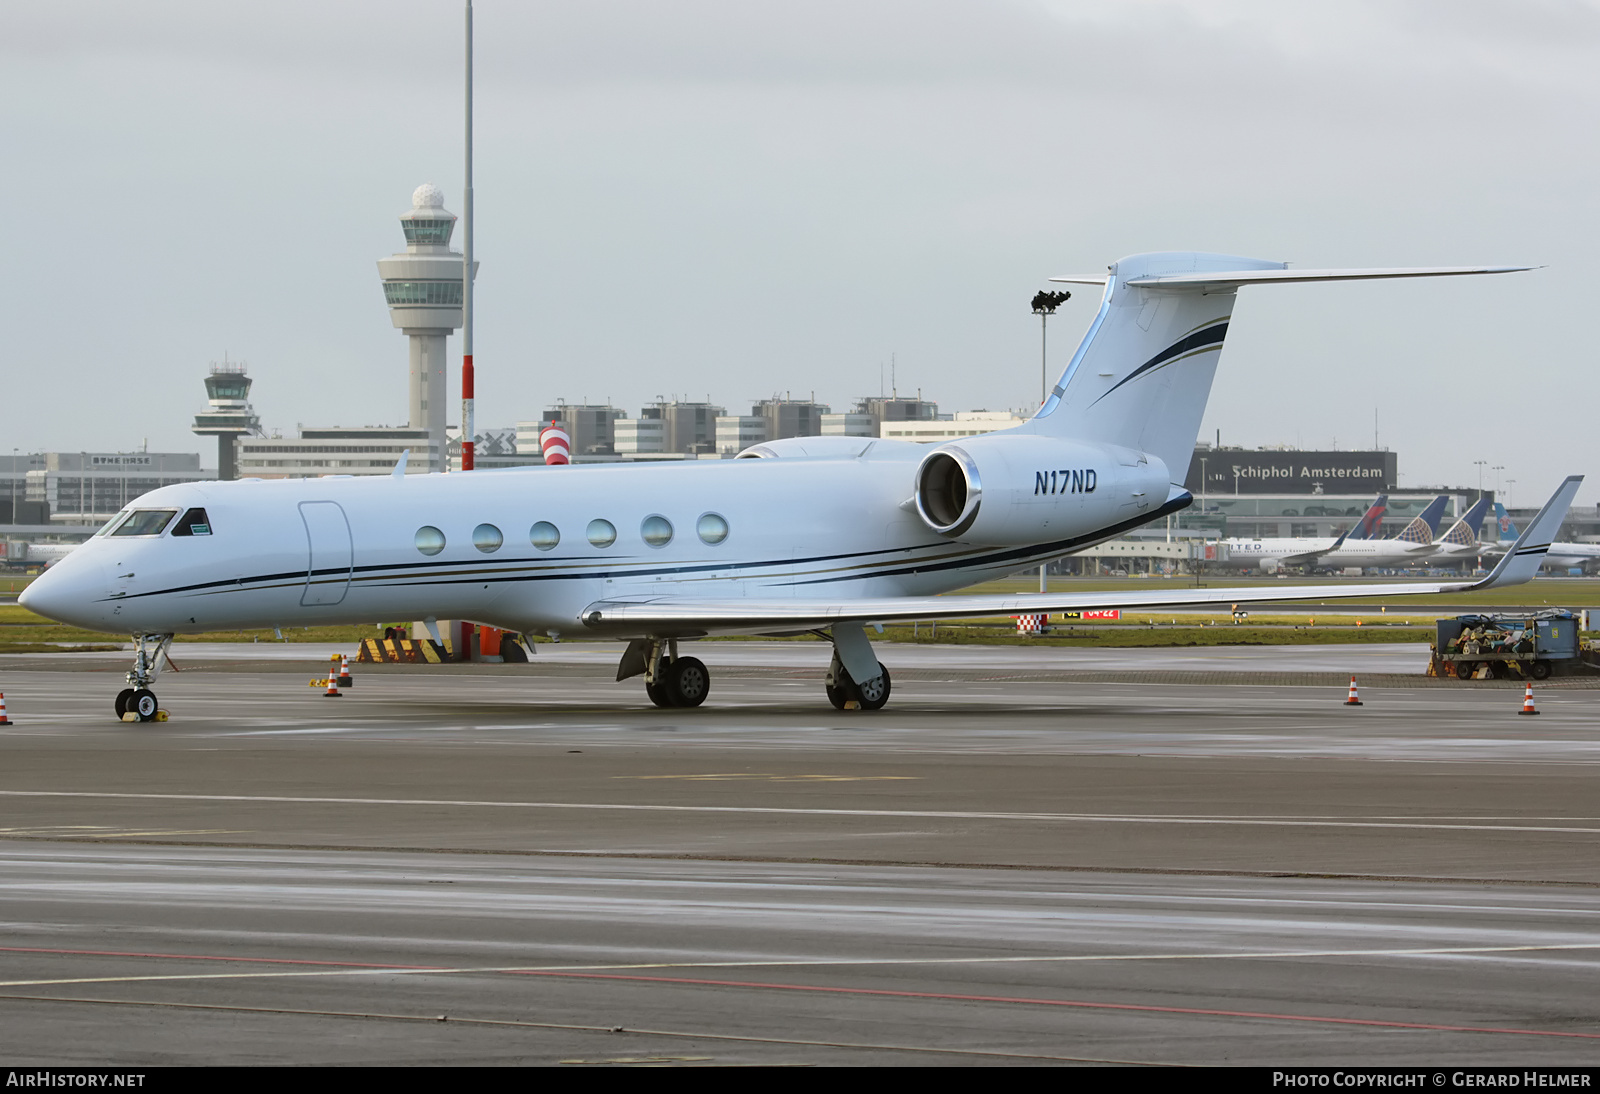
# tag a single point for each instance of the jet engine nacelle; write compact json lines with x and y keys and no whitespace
{"x":1009,"y":490}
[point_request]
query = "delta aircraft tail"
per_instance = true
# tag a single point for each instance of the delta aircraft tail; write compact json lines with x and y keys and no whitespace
{"x":1367,"y":527}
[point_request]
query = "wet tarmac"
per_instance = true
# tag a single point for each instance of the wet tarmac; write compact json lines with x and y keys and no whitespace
{"x":1044,"y":869}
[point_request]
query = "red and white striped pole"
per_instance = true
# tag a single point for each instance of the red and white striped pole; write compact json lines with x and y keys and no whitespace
{"x":555,"y":445}
{"x":468,"y":425}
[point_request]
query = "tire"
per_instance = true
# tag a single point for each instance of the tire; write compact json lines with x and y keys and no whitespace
{"x":875,"y":695}
{"x":124,"y":697}
{"x":837,"y":696}
{"x":658,"y":694}
{"x":687,"y":682}
{"x":1540,"y":670}
{"x":1465,"y":669}
{"x":143,"y":703}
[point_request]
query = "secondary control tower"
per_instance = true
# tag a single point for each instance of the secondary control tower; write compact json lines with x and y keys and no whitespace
{"x":422,"y":287}
{"x":229,"y":416}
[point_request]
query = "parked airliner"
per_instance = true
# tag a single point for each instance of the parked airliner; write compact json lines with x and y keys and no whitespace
{"x":826,"y":535}
{"x":1560,"y":556}
{"x":1414,"y":542}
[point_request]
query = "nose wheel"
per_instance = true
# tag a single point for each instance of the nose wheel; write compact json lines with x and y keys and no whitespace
{"x":139,"y":700}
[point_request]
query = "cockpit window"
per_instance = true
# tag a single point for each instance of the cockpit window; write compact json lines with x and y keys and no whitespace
{"x":194,"y":523}
{"x":144,"y":522}
{"x":110,"y":525}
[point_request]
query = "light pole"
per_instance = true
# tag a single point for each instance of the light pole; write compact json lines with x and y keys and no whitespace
{"x":468,"y":378}
{"x":1045,"y":303}
{"x":1480,"y":464}
{"x":1499,"y":467}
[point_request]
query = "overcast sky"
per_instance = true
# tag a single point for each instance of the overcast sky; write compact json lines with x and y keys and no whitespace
{"x":734,"y":198}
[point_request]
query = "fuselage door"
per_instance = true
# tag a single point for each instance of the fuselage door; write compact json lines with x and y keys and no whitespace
{"x":330,"y":552}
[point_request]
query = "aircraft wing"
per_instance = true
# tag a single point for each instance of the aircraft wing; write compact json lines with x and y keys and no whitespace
{"x":1311,"y":556}
{"x":690,"y":616}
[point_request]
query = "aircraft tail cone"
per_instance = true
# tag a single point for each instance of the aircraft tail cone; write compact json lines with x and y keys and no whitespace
{"x":1355,"y":698}
{"x":1527,"y":702}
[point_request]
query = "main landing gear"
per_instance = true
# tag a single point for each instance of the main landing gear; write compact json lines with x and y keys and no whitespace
{"x":669,"y":680}
{"x":856,"y":679}
{"x":137,"y":699}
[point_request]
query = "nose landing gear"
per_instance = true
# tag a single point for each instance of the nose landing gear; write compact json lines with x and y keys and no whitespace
{"x":149,"y":651}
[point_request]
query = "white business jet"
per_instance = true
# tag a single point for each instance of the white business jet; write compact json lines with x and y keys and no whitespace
{"x":823,"y":535}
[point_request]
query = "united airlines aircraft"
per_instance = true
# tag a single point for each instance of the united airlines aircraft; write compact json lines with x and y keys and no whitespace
{"x":824,"y":535}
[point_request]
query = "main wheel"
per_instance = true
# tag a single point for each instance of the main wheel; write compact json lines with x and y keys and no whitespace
{"x":1540,"y":670}
{"x":658,"y":694}
{"x":871,"y":697}
{"x":875,"y":694}
{"x":687,"y":682}
{"x":124,"y":697}
{"x":143,"y":703}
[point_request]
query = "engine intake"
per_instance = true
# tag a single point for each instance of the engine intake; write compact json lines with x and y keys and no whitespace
{"x":949,"y":491}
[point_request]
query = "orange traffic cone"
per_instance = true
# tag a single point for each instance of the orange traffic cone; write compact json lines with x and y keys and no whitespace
{"x":344,"y":671}
{"x":1354,"y":700}
{"x":1527,"y":703}
{"x":4,"y":721}
{"x":333,"y":687}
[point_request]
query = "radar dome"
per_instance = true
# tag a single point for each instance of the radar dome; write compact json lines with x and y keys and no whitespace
{"x":427,"y":196}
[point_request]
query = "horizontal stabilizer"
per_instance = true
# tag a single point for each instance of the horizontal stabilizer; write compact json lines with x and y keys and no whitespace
{"x":1256,"y":277}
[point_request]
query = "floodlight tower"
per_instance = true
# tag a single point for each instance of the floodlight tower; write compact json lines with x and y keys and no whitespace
{"x":229,"y":416}
{"x":422,"y":286}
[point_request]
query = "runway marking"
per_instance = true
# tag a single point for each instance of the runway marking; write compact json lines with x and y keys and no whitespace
{"x":922,"y":814}
{"x":100,"y":831}
{"x":1086,"y":1005}
{"x":766,"y":777}
{"x":434,"y":1019}
{"x":1076,"y":1004}
{"x":354,"y":968}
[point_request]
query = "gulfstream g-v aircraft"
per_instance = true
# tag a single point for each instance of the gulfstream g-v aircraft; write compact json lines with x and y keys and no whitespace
{"x":824,"y":534}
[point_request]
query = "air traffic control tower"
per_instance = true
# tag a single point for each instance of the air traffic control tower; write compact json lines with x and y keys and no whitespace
{"x":422,"y":286}
{"x":229,"y":416}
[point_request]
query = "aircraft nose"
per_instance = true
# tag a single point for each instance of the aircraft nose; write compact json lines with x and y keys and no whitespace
{"x":65,"y":594}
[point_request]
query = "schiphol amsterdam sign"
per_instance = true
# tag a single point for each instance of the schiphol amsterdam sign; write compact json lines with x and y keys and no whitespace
{"x":1244,"y":472}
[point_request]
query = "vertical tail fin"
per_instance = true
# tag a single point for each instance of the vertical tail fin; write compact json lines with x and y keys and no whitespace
{"x":1141,"y":377}
{"x":1143,"y":373}
{"x":1372,"y":519}
{"x":1507,"y":530}
{"x":1464,"y":532}
{"x":1425,"y":526}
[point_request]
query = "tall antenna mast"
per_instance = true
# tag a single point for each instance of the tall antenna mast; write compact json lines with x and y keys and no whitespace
{"x":468,"y":426}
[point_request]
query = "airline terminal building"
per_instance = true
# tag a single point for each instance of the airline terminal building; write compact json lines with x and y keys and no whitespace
{"x":1282,"y":491}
